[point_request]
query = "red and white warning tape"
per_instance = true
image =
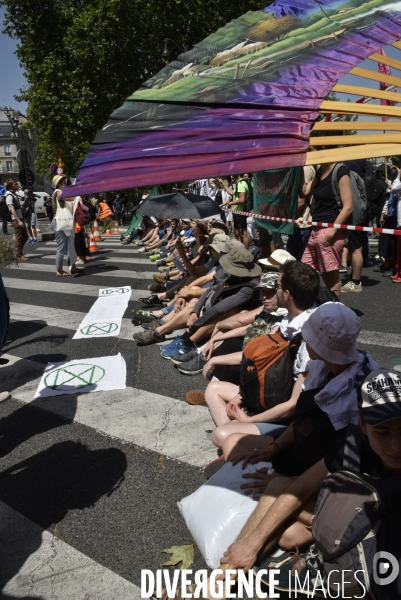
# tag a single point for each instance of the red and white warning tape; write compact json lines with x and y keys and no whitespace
{"x":317,"y":223}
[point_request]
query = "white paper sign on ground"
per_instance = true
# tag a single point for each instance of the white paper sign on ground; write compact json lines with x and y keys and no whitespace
{"x":105,"y":316}
{"x":82,"y":376}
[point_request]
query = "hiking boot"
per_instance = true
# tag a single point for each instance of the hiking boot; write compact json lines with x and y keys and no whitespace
{"x":351,"y":287}
{"x":152,"y":300}
{"x":193,"y":366}
{"x":151,"y":336}
{"x":152,"y":324}
{"x":196,"y":398}
{"x":184,"y":355}
{"x":144,"y":316}
{"x":158,"y":288}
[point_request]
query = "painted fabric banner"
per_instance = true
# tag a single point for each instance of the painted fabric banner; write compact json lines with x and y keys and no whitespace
{"x":105,"y":316}
{"x":83,"y":376}
{"x":244,"y":99}
{"x":276,"y":195}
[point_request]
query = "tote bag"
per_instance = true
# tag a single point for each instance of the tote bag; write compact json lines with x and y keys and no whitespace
{"x":64,"y":218}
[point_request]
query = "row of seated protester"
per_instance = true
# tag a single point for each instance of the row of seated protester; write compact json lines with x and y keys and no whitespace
{"x":306,"y":423}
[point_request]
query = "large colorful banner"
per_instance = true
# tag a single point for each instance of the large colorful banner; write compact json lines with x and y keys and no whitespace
{"x":276,"y":195}
{"x":242,"y":100}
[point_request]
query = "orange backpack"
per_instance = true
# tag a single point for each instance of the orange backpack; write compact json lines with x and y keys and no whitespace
{"x":267,"y":367}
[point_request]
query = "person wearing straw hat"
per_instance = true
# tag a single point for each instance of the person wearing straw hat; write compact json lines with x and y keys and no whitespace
{"x":63,"y":231}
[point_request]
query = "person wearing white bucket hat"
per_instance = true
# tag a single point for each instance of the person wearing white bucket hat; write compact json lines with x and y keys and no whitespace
{"x":275,"y":260}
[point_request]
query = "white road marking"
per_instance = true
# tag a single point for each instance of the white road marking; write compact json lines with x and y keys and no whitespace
{"x":35,"y":563}
{"x":380,"y":338}
{"x":57,"y":287}
{"x":99,"y":258}
{"x":158,"y":423}
{"x":89,"y":271}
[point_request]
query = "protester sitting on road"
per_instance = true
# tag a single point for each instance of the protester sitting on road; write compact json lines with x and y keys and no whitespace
{"x":228,"y":338}
{"x":182,"y":316}
{"x":283,"y":516}
{"x":233,"y":290}
{"x":297,"y":288}
{"x":146,"y":227}
{"x":222,"y":353}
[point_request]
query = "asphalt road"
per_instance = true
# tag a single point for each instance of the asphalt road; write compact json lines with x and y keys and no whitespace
{"x":70,"y":474}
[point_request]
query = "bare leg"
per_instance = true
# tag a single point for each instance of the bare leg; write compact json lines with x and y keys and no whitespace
{"x":217,"y":395}
{"x":178,"y":321}
{"x":222,"y":432}
{"x":244,"y":238}
{"x":357,"y":263}
{"x":240,"y":442}
{"x":332,"y":281}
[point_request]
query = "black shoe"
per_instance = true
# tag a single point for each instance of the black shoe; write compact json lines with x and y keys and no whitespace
{"x":388,"y":272}
{"x":152,"y":300}
{"x":143,"y":316}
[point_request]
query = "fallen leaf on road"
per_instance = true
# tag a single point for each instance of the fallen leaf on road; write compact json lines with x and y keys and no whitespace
{"x":180,"y":554}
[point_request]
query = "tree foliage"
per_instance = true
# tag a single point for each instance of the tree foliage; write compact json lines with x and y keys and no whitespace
{"x":82,"y":59}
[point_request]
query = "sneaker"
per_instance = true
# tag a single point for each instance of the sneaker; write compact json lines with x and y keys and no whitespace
{"x":143,"y":249}
{"x":30,"y":241}
{"x":79,"y":261}
{"x":34,"y":241}
{"x":173,"y":344}
{"x":184,"y":355}
{"x":161,"y":262}
{"x":299,"y":571}
{"x":125,"y":243}
{"x":343,"y":269}
{"x":194,"y":366}
{"x":168,"y":353}
{"x":152,"y":300}
{"x":388,"y":272}
{"x":156,"y":288}
{"x":351,"y":287}
{"x":379,"y":258}
{"x":196,"y":398}
{"x":154,"y":257}
{"x":151,"y":336}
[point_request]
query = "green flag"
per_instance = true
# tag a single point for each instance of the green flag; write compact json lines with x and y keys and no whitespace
{"x":276,"y":195}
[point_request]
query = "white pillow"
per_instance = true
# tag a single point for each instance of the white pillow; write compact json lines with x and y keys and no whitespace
{"x":216,"y":513}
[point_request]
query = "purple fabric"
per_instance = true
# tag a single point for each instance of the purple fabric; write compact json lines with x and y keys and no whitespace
{"x":257,"y":123}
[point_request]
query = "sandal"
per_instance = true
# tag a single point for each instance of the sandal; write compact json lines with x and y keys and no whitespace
{"x":63,"y":274}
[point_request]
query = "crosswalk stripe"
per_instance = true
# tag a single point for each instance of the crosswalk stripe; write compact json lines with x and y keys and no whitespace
{"x":155,"y":422}
{"x":65,"y":319}
{"x":120,"y":273}
{"x":57,"y":287}
{"x":98,"y":258}
{"x":53,"y":568}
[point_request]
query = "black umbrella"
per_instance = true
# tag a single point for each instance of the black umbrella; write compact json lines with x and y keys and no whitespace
{"x":179,"y":206}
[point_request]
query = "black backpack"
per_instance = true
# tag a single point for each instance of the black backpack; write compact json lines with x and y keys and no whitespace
{"x":249,"y":202}
{"x":376,"y":189}
{"x":355,"y":520}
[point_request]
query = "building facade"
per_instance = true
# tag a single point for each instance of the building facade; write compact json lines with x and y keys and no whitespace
{"x":12,"y":140}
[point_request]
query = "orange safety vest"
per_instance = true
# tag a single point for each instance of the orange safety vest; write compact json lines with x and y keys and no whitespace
{"x":104,"y":211}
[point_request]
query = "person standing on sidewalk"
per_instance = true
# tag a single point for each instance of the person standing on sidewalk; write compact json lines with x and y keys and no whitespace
{"x":4,"y":212}
{"x":13,"y":203}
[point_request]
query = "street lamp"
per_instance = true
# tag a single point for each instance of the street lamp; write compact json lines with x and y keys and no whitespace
{"x":166,"y":51}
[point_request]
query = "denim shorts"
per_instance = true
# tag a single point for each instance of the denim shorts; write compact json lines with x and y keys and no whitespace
{"x":273,"y":429}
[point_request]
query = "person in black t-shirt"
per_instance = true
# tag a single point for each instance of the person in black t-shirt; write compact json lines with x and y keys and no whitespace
{"x":324,"y":249}
{"x":287,"y":515}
